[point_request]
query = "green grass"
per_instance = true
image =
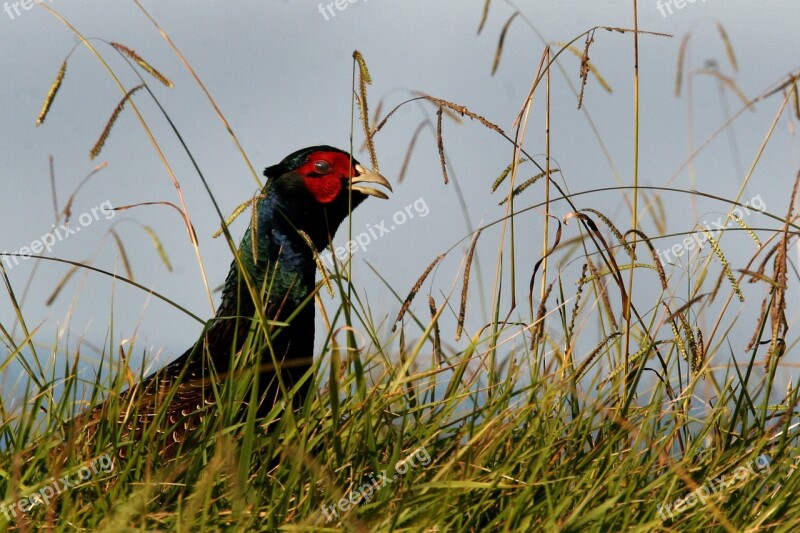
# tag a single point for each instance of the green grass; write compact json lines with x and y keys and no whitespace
{"x":621,"y":396}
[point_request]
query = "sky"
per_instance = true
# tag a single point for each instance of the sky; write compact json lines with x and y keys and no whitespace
{"x":281,"y":73}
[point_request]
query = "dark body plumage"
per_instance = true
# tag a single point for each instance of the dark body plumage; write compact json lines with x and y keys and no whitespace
{"x":306,"y":198}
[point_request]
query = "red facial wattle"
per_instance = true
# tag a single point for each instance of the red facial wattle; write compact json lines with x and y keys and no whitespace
{"x":324,"y":174}
{"x":324,"y":189}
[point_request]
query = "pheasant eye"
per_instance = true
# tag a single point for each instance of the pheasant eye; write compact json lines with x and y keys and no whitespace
{"x":323,"y":167}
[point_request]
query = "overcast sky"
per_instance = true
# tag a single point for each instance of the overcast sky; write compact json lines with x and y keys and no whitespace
{"x":281,"y":73}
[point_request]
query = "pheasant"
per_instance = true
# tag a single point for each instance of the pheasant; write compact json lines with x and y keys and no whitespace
{"x":306,"y":197}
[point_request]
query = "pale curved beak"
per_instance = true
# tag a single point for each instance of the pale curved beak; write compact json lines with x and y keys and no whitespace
{"x":369,"y":176}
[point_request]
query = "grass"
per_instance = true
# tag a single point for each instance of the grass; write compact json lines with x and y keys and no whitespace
{"x":610,"y":400}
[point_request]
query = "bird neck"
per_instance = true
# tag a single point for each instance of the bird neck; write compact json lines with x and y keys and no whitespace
{"x":282,"y":270}
{"x":281,"y":263}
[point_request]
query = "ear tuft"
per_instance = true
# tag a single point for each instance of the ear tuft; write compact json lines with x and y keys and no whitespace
{"x":272,"y":172}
